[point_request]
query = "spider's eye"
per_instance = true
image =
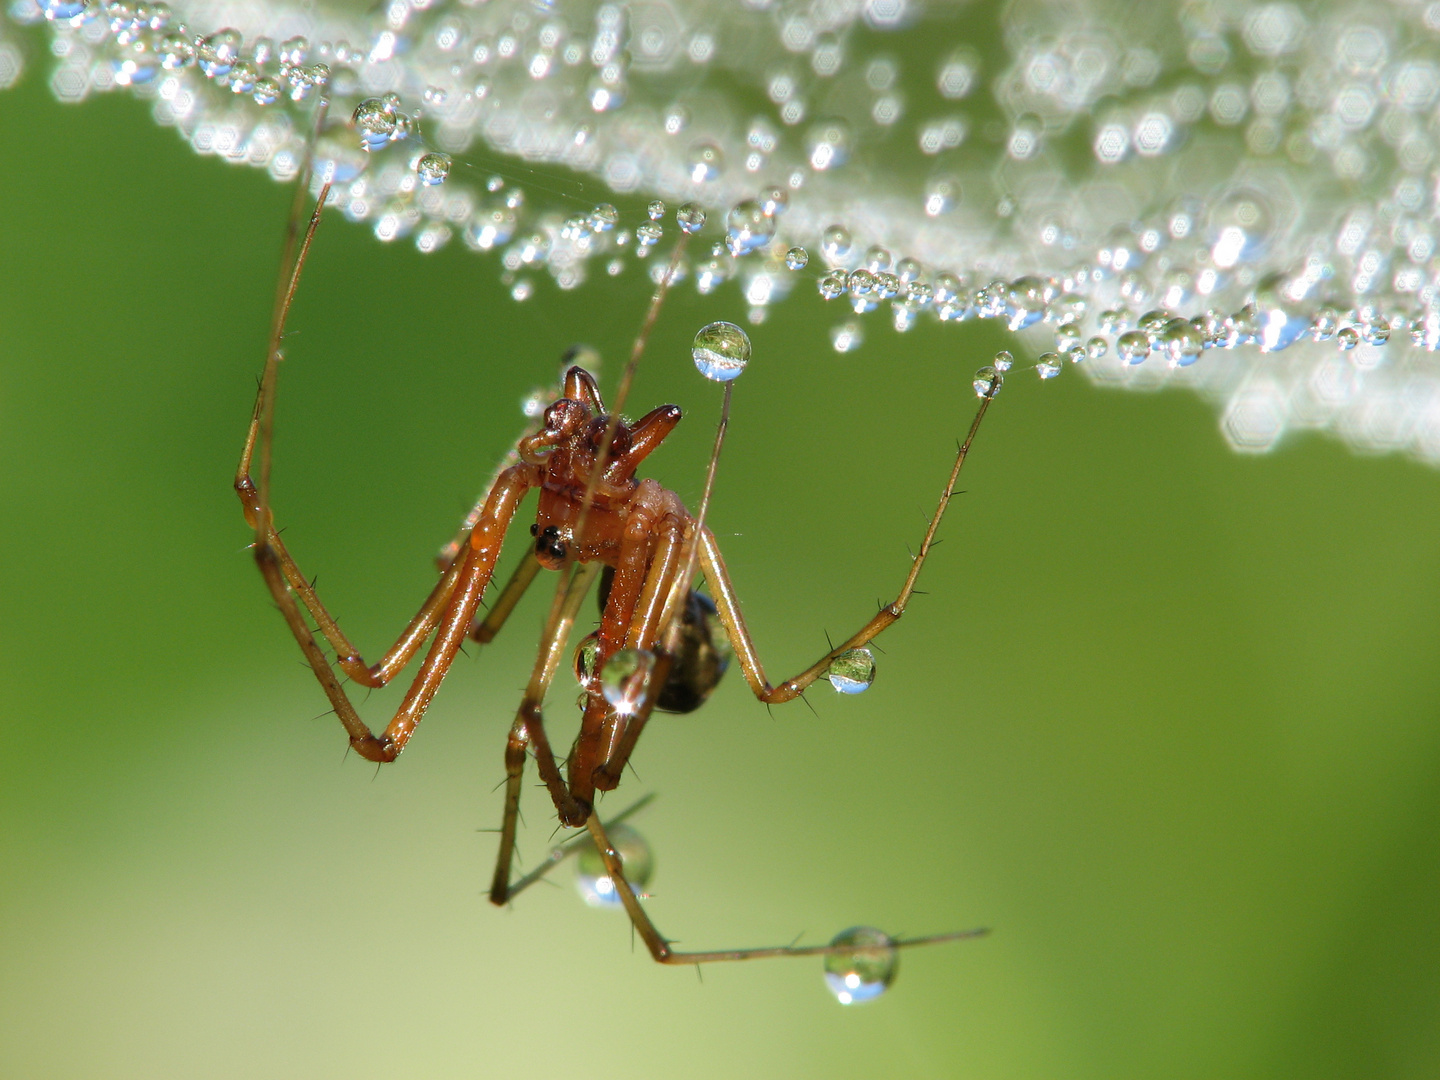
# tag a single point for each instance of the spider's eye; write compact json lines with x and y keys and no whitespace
{"x":550,"y":548}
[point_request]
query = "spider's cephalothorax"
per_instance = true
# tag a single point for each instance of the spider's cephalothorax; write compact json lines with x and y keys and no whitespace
{"x":567,"y":449}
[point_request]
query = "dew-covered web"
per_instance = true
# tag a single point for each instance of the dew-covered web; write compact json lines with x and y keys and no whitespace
{"x":1230,"y":196}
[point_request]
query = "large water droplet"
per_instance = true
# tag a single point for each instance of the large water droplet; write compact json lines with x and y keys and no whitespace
{"x":604,"y":217}
{"x":1133,"y":347}
{"x":1279,"y":319}
{"x":636,"y":859}
{"x":1048,"y":365}
{"x":706,"y":162}
{"x":748,"y":227}
{"x":217,"y":53}
{"x":375,"y":123}
{"x":690,"y":217}
{"x":625,"y":678}
{"x":433,"y":168}
{"x":853,"y":671}
{"x":721,"y":351}
{"x":988,"y":381}
{"x":865,"y":968}
{"x":1180,"y":342}
{"x":835,"y":243}
{"x":1025,"y":302}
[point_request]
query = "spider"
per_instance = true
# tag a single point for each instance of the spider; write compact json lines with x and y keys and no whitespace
{"x":656,"y":646}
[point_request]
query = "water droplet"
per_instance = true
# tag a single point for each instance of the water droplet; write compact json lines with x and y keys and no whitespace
{"x":988,"y":381}
{"x":706,"y":162}
{"x":832,"y":284}
{"x":589,"y":648}
{"x":865,"y":968}
{"x":1096,"y":347}
{"x":267,"y":91}
{"x":647,"y":233}
{"x":721,"y":351}
{"x":1067,"y":336}
{"x":748,"y":227}
{"x":1152,"y":322}
{"x":636,"y":859}
{"x":941,"y":195}
{"x":655,"y":210}
{"x":1133,"y":347}
{"x":861,"y":282}
{"x":1114,"y":321}
{"x":1278,"y":317}
{"x":1025,"y":302}
{"x":1004,"y":360}
{"x":1048,"y":365}
{"x":796,"y":258}
{"x":433,"y":168}
{"x":1347,"y":337}
{"x":847,"y":337}
{"x":853,"y":671}
{"x":827,"y":145}
{"x":625,"y":678}
{"x":691,"y":217}
{"x":217,"y":53}
{"x":1180,"y":342}
{"x":774,"y":201}
{"x":375,"y":123}
{"x":604,"y":218}
{"x":835,"y":243}
{"x":62,"y":10}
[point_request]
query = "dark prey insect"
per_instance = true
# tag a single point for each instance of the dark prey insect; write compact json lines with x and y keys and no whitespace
{"x":660,"y":644}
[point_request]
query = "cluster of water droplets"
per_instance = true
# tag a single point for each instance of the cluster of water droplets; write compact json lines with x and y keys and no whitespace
{"x":1263,"y":176}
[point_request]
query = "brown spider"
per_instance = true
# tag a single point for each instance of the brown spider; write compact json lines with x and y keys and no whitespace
{"x":592,"y":512}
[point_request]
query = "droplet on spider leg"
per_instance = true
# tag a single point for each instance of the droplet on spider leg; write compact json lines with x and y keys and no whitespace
{"x":636,"y":858}
{"x":988,"y":382}
{"x":721,"y":351}
{"x":853,"y":671}
{"x":433,"y":168}
{"x":586,"y":654}
{"x":625,"y":679}
{"x":866,"y":966}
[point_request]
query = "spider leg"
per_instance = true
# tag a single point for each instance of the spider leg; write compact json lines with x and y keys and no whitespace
{"x":654,"y":513}
{"x":659,"y":946}
{"x":451,"y":622}
{"x":528,"y":729}
{"x":347,"y":656}
{"x":727,"y":604}
{"x":484,"y":630}
{"x":647,"y":625}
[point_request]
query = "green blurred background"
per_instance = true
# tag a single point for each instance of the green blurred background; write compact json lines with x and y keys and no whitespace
{"x":1166,"y":720}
